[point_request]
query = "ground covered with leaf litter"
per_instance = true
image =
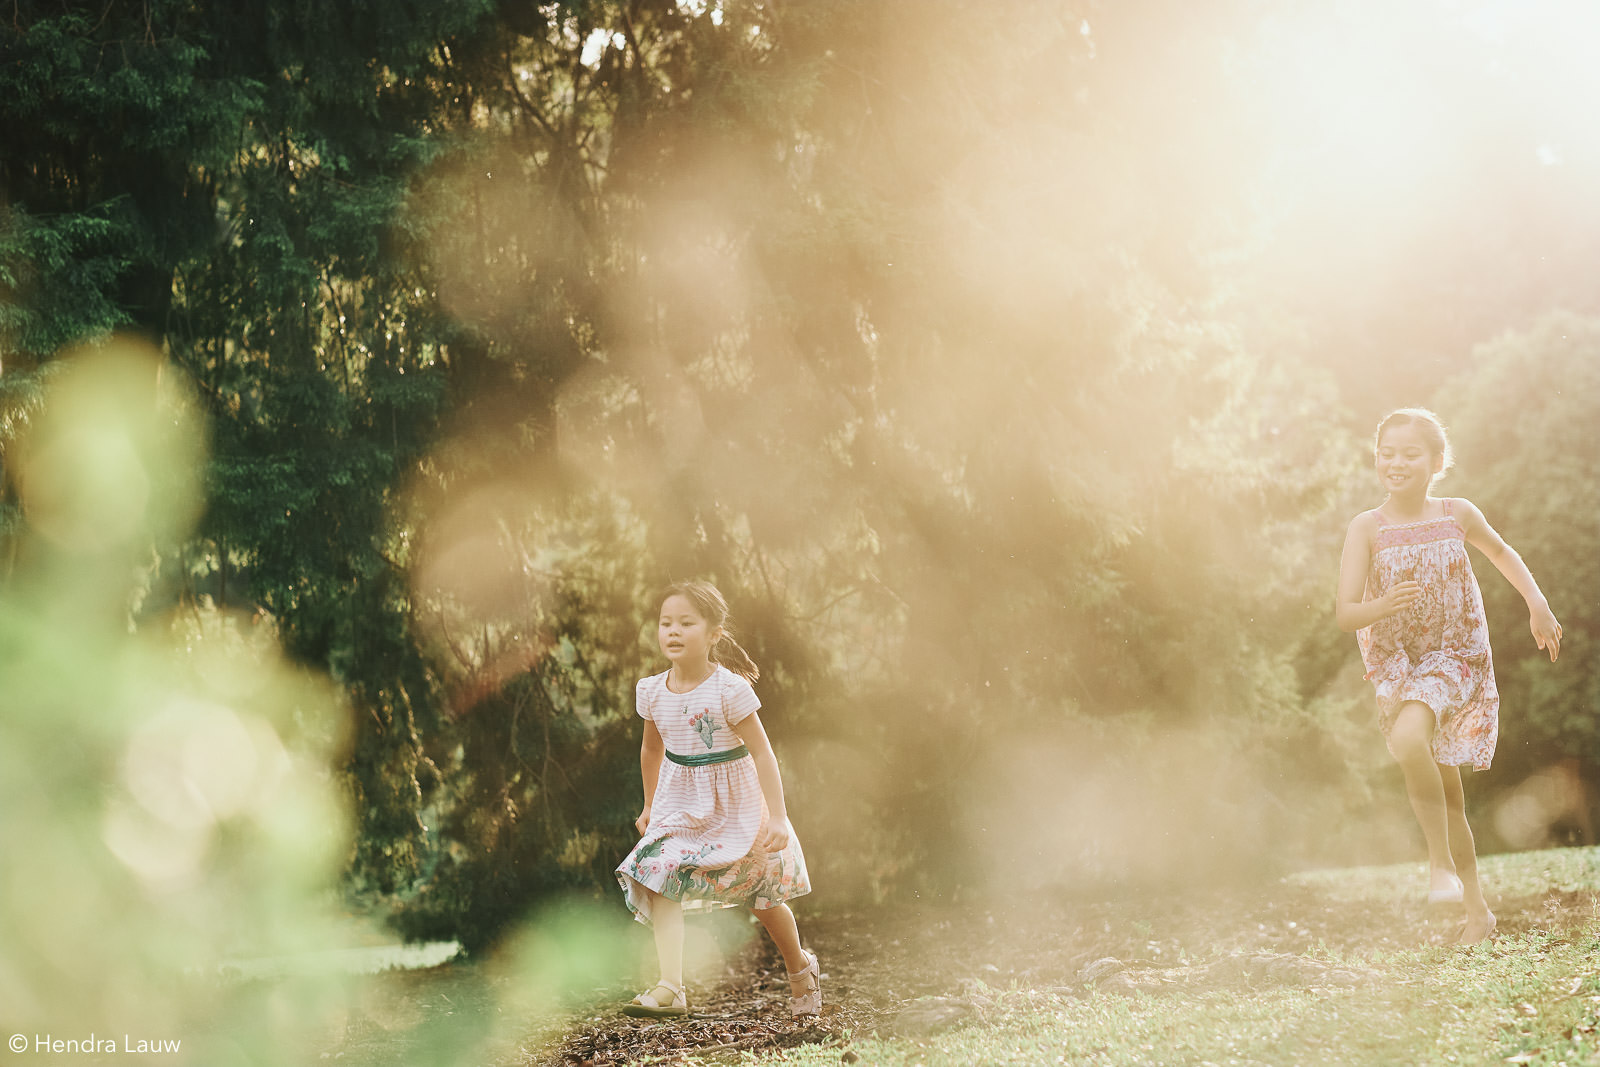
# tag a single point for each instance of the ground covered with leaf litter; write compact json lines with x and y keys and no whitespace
{"x":920,"y":970}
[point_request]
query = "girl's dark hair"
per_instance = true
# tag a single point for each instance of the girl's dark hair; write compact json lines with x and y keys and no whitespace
{"x":1428,"y":424}
{"x":710,"y":605}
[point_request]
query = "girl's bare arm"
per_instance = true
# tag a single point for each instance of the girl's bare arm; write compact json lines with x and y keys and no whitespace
{"x":651,"y":752}
{"x":1350,"y":610}
{"x":754,"y":736}
{"x":1541,"y":621}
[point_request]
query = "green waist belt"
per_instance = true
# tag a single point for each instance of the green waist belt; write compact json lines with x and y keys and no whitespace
{"x":725,"y":756}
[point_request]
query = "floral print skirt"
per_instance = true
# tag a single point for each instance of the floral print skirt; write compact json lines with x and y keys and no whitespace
{"x":1437,"y":651}
{"x":701,"y":850}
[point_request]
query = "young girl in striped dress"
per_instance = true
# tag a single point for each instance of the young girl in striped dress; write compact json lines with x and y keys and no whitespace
{"x":1406,"y":587}
{"x":716,"y":832}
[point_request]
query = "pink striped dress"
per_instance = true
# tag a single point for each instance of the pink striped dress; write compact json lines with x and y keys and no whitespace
{"x":700,"y":847}
{"x":1437,"y":650}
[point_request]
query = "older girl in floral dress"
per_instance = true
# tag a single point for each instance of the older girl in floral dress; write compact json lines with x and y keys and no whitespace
{"x":1406,"y":587}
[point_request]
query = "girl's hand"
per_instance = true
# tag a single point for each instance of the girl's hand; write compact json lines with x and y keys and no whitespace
{"x":643,"y":821}
{"x":778,"y":833}
{"x":1546,"y":630}
{"x":1401,"y":595}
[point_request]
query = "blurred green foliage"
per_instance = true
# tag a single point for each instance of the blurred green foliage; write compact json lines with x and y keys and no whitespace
{"x":926,"y":339}
{"x":168,"y":800}
{"x":1524,"y":418}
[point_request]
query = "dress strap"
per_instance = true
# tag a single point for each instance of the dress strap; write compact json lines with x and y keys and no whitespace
{"x":1383,"y":520}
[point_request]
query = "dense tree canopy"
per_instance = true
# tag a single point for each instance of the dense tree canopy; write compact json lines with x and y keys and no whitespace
{"x":1523,"y":416}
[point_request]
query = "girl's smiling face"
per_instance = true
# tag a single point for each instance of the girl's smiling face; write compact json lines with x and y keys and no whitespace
{"x":1406,"y":461}
{"x":685,"y":638}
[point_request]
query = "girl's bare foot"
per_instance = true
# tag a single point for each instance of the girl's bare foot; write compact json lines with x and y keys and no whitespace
{"x":1479,"y":928}
{"x":1443,"y":886}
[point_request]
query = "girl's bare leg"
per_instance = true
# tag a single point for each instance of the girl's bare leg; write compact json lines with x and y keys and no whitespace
{"x":1463,"y":850}
{"x":780,"y":926}
{"x":1410,"y":743}
{"x":666,"y":921}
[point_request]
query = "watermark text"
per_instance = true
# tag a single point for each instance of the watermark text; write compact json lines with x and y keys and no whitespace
{"x":93,"y":1044}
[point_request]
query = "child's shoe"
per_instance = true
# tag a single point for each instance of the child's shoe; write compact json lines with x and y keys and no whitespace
{"x":649,"y":1005}
{"x":809,"y":1002}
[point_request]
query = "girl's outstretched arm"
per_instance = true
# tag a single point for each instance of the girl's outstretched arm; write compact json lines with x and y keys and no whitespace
{"x":1350,"y":610}
{"x":651,"y":752}
{"x":754,"y":736}
{"x":1546,"y":630}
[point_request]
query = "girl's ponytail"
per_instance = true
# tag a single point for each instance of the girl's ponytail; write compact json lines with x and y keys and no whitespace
{"x":708,"y":601}
{"x":730,"y":654}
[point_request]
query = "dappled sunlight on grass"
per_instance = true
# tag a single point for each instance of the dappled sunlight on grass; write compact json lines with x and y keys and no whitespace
{"x":1326,"y":967}
{"x":1529,"y":995}
{"x":1507,"y":875}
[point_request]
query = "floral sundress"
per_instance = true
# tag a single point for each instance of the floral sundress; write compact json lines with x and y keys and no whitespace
{"x":1437,"y":650}
{"x":700,"y":847}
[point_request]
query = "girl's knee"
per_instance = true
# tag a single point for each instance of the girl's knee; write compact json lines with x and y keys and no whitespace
{"x":1410,"y":745}
{"x":1412,"y":730}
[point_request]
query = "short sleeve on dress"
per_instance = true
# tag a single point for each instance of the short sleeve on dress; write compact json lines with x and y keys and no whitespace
{"x":739,"y":700}
{"x":642,"y":694}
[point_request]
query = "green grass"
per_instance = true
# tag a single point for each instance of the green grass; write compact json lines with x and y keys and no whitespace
{"x":1530,"y":996}
{"x":1517,"y":874}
